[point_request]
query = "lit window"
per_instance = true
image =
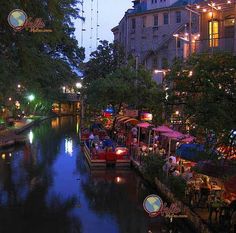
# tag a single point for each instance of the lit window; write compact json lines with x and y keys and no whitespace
{"x":213,"y":31}
{"x":229,"y":22}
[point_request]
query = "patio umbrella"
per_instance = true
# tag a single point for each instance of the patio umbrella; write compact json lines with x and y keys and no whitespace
{"x":174,"y":135}
{"x":188,"y":139}
{"x":163,"y":129}
{"x":143,"y":125}
{"x":189,"y":151}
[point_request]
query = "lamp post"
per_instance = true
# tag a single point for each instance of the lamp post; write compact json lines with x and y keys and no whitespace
{"x":176,"y":44}
{"x":30,"y":98}
{"x":79,"y":86}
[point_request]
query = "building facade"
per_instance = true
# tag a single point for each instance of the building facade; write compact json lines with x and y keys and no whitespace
{"x":217,"y":26}
{"x":150,"y":32}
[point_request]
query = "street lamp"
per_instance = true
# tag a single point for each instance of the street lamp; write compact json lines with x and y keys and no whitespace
{"x":31,"y":97}
{"x":78,"y":85}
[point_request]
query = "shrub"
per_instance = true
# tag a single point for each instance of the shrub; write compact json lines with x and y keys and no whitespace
{"x":152,"y":167}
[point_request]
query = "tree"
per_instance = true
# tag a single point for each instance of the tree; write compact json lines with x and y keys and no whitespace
{"x":107,"y":58}
{"x":41,"y":62}
{"x":204,"y":88}
{"x":125,"y":86}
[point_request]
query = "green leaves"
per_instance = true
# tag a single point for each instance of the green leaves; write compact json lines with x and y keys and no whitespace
{"x":41,"y":62}
{"x":204,"y":88}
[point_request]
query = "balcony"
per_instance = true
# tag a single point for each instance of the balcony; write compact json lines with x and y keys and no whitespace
{"x":215,"y":45}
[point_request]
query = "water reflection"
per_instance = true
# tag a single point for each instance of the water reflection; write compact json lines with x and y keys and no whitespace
{"x":68,"y":146}
{"x":31,"y":136}
{"x":42,"y":189}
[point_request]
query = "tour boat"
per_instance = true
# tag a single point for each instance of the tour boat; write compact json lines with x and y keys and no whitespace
{"x":119,"y":157}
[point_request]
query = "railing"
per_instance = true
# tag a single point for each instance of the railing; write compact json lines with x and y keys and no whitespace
{"x":71,"y":97}
{"x":215,"y":45}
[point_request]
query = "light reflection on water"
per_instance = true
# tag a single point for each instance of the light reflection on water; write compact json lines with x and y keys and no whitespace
{"x":47,"y":186}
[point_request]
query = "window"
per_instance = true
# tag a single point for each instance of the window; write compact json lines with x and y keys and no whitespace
{"x":133,"y":23}
{"x":144,"y":19}
{"x":154,"y":1}
{"x":155,"y":20}
{"x":178,"y":16}
{"x":166,"y":18}
{"x":213,"y":31}
{"x":229,"y":22}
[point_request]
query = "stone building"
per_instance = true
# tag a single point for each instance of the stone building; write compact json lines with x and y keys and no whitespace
{"x":157,"y":31}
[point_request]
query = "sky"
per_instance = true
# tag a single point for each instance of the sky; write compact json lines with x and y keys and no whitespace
{"x":110,"y":13}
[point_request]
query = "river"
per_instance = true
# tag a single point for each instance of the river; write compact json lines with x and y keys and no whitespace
{"x":46,"y":186}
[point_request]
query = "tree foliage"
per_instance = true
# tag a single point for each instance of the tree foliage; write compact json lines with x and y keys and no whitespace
{"x":109,"y":79}
{"x":41,"y":62}
{"x":204,"y":88}
{"x":106,"y":59}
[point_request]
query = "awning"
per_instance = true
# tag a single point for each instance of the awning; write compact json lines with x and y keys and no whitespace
{"x":119,"y":116}
{"x":132,"y":121}
{"x":123,"y":118}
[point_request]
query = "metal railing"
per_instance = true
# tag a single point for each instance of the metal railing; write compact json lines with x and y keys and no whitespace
{"x":72,"y":97}
{"x":214,"y":45}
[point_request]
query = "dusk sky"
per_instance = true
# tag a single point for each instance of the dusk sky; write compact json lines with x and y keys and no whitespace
{"x":110,"y":13}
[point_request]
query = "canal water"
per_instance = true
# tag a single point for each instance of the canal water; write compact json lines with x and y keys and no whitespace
{"x":46,"y":186}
